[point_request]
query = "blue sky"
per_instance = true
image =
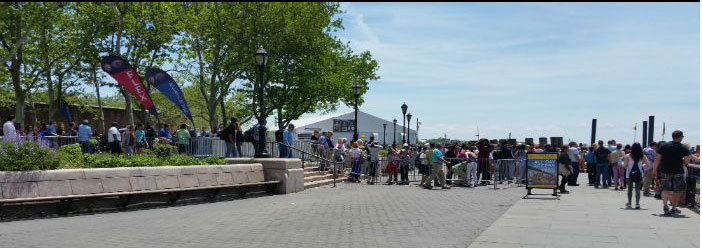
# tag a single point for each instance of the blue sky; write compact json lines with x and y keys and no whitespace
{"x":533,"y":69}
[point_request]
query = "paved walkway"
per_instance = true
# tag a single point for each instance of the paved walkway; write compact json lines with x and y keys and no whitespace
{"x":589,"y":217}
{"x":351,"y":215}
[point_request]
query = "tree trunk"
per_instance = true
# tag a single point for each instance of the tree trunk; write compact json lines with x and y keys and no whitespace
{"x":224,"y":112}
{"x":128,"y":107}
{"x":101,"y":117}
{"x":281,"y":124}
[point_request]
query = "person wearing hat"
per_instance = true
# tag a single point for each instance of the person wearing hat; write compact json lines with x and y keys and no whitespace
{"x":84,"y":133}
{"x":114,"y":138}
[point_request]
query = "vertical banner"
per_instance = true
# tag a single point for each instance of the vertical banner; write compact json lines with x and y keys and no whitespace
{"x":127,"y":77}
{"x":165,"y":83}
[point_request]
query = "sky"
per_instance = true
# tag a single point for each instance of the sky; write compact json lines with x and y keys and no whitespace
{"x":532,"y":69}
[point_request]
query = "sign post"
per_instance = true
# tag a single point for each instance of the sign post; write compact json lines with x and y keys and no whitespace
{"x":542,"y":172}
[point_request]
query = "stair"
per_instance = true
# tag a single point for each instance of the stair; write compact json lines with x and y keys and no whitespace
{"x":315,"y":178}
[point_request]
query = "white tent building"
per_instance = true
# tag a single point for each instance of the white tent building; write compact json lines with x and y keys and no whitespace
{"x":342,"y":126}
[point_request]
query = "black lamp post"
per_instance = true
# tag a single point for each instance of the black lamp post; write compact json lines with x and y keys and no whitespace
{"x":394,"y":131}
{"x":409,"y":138}
{"x":261,"y":59}
{"x":384,"y":126}
{"x":356,"y":94}
{"x":404,"y":112}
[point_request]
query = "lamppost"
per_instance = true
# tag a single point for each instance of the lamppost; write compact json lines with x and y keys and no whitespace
{"x":384,"y":126}
{"x":261,"y":59}
{"x":404,"y":112}
{"x":409,"y":137}
{"x":417,"y":138}
{"x":394,"y":131}
{"x":356,"y":94}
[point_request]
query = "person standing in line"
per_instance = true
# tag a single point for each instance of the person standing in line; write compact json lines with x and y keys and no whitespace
{"x":183,"y":137}
{"x":650,"y":153}
{"x":564,"y":168}
{"x":114,"y":138}
{"x":574,"y":155}
{"x":150,"y":135}
{"x":484,"y":151}
{"x":437,"y":172}
{"x":288,"y":139}
{"x":238,"y":138}
{"x":602,"y":168}
{"x":129,"y":139}
{"x":426,"y":172}
{"x":164,"y":134}
{"x":672,"y":156}
{"x":139,"y":138}
{"x":520,"y":156}
{"x":635,"y":163}
{"x":228,"y":134}
{"x":84,"y":133}
{"x":615,"y":159}
{"x":405,"y":157}
{"x":314,"y":142}
{"x":391,"y":168}
{"x":472,"y":167}
{"x":589,"y":158}
{"x":452,"y":157}
{"x":322,"y":148}
{"x":373,"y":150}
{"x":8,"y":129}
{"x":355,"y":155}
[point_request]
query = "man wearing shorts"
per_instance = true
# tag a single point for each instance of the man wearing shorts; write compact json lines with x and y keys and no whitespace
{"x":672,"y":156}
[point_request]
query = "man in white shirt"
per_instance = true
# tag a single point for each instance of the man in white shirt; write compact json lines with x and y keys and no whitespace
{"x":8,"y":129}
{"x":114,"y":138}
{"x":574,"y":155}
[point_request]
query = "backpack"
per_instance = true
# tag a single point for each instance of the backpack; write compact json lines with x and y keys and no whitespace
{"x":223,"y":135}
{"x":635,"y":174}
{"x":279,"y":135}
{"x":249,"y":135}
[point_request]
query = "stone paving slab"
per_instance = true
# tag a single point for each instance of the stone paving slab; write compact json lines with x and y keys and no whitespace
{"x":351,"y":215}
{"x":589,"y":217}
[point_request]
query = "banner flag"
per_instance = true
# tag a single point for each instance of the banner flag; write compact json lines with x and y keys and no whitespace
{"x":165,"y":83}
{"x":127,"y":77}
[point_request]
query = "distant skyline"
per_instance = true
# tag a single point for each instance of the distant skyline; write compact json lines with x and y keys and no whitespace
{"x":532,"y":69}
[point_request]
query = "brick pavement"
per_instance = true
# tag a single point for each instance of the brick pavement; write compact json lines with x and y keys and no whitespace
{"x":589,"y":217}
{"x":351,"y":215}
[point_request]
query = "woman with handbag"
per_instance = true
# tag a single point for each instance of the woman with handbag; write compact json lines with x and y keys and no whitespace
{"x":564,"y":168}
{"x":635,"y":162}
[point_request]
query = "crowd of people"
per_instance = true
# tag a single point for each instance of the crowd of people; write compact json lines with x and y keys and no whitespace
{"x":658,"y":167}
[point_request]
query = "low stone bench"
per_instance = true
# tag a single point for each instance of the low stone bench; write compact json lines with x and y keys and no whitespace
{"x":64,"y":185}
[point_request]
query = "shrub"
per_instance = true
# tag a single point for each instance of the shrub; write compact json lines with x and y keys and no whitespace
{"x":27,"y":155}
{"x":213,"y":160}
{"x":180,"y":160}
{"x":163,"y":150}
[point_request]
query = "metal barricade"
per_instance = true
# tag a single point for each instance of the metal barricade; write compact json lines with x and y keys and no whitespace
{"x":504,"y":171}
{"x":692,"y":195}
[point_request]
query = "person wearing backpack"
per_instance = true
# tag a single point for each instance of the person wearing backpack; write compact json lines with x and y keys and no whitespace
{"x":229,"y":137}
{"x":602,"y":169}
{"x":635,"y":163}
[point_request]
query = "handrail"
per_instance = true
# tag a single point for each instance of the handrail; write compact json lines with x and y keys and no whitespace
{"x":318,"y":157}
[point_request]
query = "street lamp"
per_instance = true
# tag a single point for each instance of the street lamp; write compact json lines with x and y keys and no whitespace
{"x":384,"y":126}
{"x":356,"y":94}
{"x":261,"y":59}
{"x":409,"y":117}
{"x":394,"y":132}
{"x":404,"y":112}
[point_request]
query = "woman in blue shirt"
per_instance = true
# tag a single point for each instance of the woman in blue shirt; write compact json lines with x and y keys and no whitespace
{"x":591,"y":164}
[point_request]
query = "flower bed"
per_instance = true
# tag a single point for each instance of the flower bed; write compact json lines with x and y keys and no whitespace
{"x":27,"y":155}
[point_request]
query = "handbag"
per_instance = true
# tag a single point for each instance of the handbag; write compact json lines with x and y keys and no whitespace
{"x":564,"y":169}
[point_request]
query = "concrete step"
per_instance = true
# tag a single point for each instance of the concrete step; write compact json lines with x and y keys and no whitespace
{"x":321,"y":183}
{"x":315,"y":173}
{"x":319,"y":178}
